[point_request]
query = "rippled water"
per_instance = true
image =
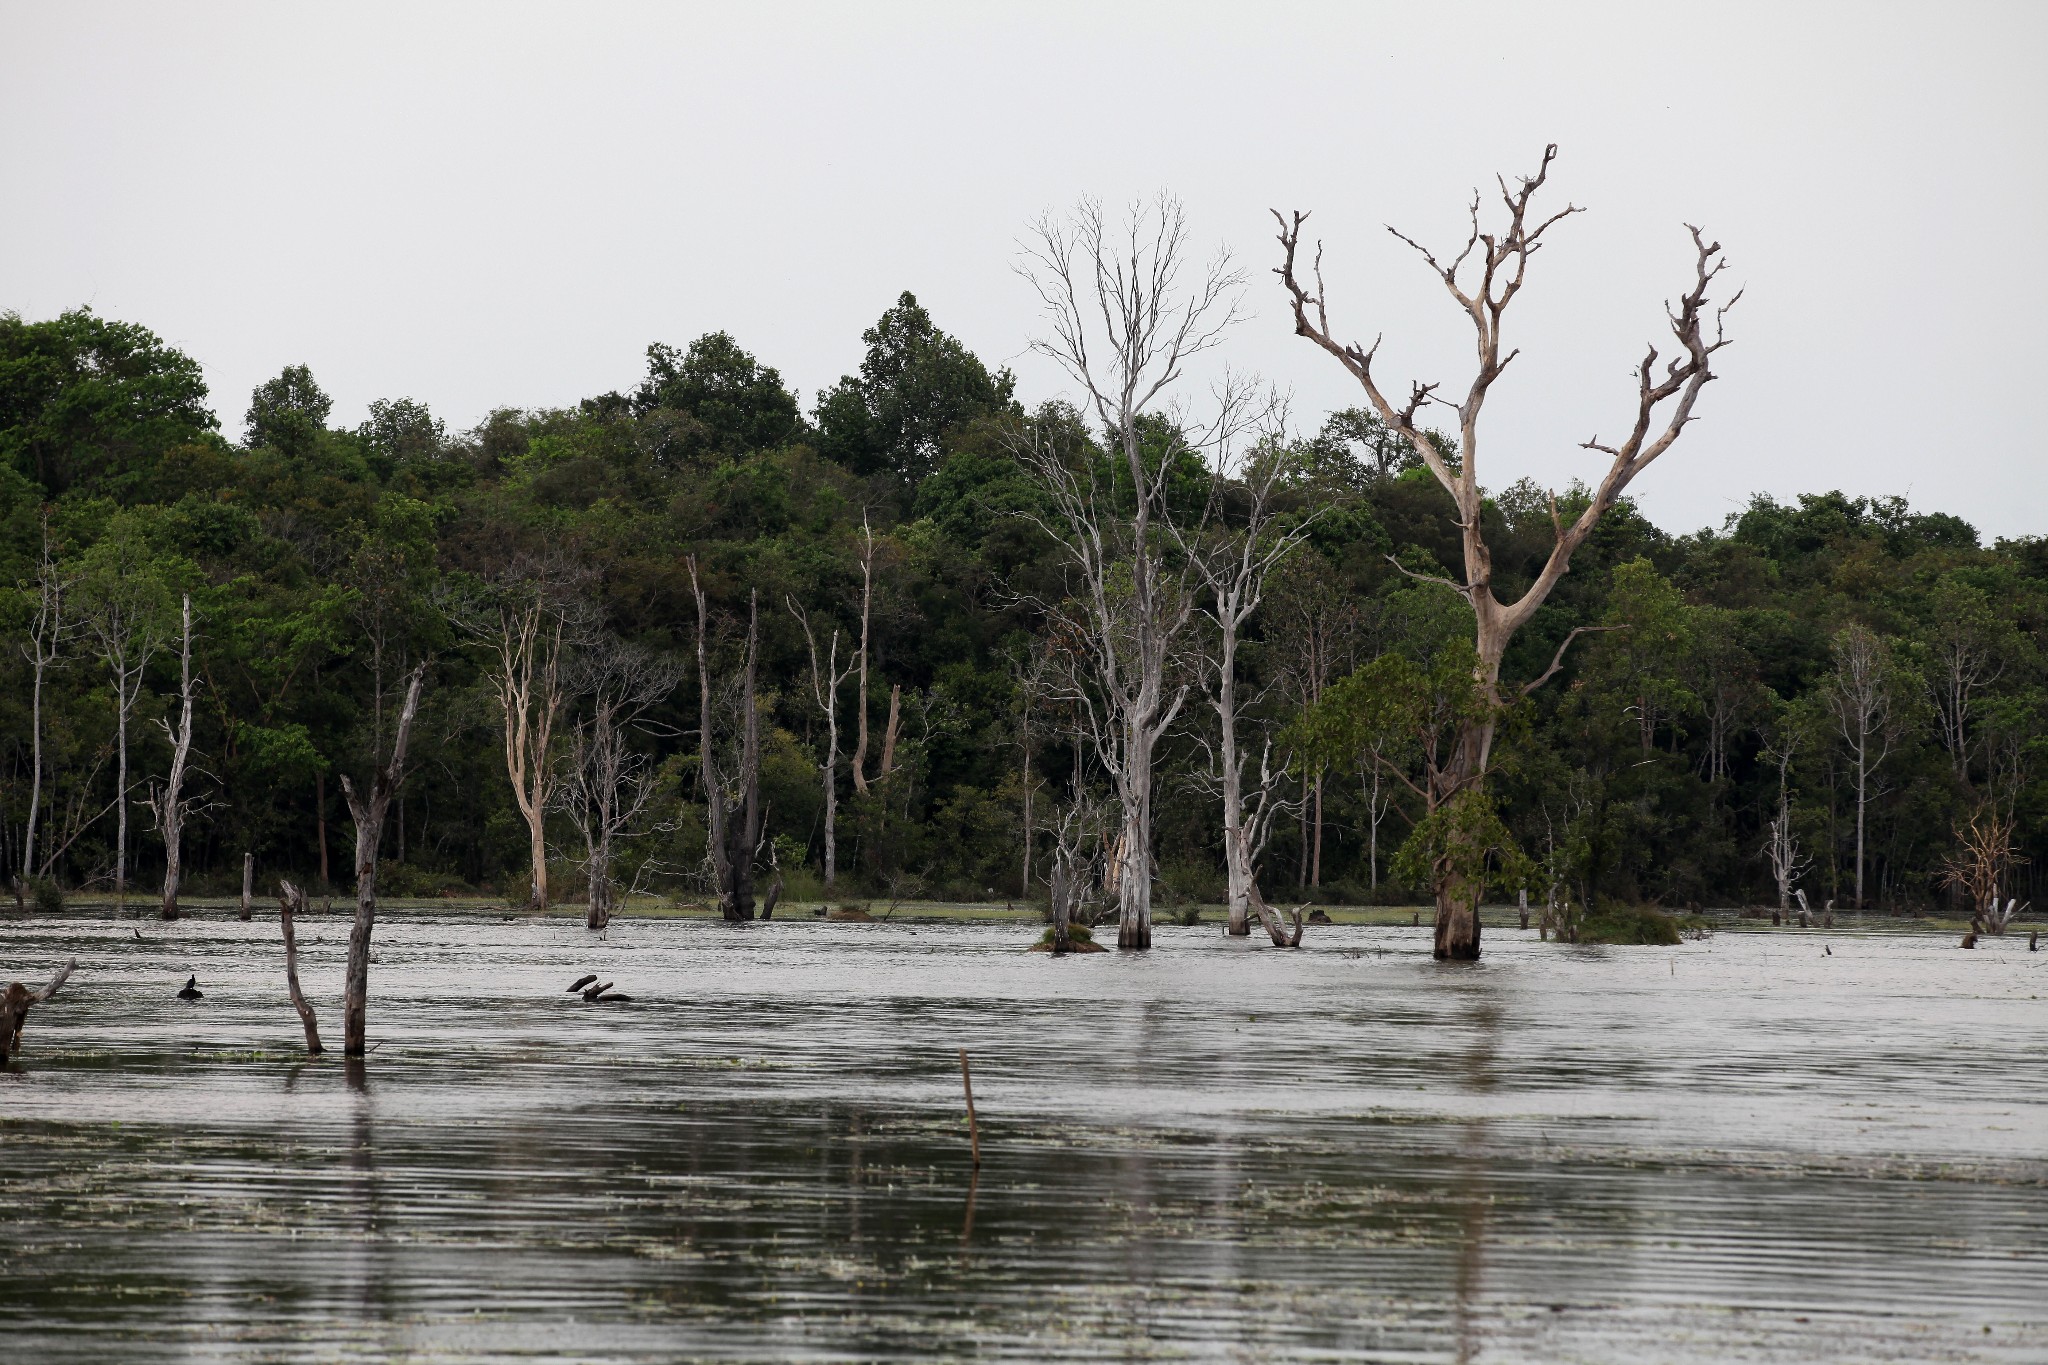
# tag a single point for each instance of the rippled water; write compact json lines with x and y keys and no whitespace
{"x":1741,"y":1149}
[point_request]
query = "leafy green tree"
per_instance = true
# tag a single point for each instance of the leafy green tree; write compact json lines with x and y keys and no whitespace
{"x":720,"y":401}
{"x":916,"y":386}
{"x":90,"y":403}
{"x":288,"y":413}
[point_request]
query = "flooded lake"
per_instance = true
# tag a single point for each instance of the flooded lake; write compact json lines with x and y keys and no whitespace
{"x":1746,"y":1148}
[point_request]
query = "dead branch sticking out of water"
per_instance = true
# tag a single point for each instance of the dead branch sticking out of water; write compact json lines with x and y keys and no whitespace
{"x":1274,"y":926}
{"x":17,"y":1000}
{"x":290,"y":898}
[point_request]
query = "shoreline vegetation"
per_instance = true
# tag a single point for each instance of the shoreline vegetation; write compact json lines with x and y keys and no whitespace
{"x":1501,"y":917}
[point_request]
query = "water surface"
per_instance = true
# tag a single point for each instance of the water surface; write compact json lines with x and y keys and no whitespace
{"x":1740,"y":1149}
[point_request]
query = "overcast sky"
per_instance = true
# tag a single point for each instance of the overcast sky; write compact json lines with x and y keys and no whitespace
{"x":503,"y":204}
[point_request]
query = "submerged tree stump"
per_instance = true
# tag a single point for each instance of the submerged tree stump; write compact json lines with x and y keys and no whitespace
{"x":15,"y":1003}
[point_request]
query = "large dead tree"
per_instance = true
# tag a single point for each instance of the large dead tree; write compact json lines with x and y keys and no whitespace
{"x":1862,"y":695}
{"x":732,"y":792}
{"x":608,"y":785}
{"x":169,"y":803}
{"x":529,"y":630}
{"x":1483,"y":278}
{"x":50,"y":631}
{"x":1124,"y":326}
{"x":368,"y":812}
{"x":125,"y":610}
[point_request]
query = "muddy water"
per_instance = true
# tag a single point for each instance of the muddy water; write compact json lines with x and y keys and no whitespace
{"x":1741,"y":1149}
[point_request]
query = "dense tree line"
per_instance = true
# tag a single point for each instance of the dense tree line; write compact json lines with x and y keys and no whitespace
{"x":1839,"y":695}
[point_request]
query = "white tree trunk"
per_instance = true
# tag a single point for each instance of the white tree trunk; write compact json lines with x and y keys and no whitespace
{"x":170,"y":802}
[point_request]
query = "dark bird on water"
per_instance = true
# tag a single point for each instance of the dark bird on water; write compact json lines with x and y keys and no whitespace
{"x":192,"y":991}
{"x":580,"y":982}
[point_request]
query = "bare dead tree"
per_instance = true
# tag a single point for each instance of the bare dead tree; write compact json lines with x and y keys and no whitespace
{"x":290,"y":899}
{"x":1969,"y":656}
{"x":168,"y":802}
{"x":1862,"y":695}
{"x":49,"y":633}
{"x":867,"y":604}
{"x":825,"y":685}
{"x":1233,"y":563}
{"x":1483,"y":278}
{"x":1781,"y":845}
{"x":1985,"y":857}
{"x":15,"y":1003}
{"x":1124,"y":326}
{"x":1032,"y":676}
{"x":535,"y":619}
{"x":732,"y":792}
{"x":368,"y":812}
{"x":608,"y":785}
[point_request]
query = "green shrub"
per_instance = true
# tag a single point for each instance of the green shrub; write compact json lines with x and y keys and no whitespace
{"x":1078,"y":933}
{"x":49,"y":897}
{"x":1629,"y":924}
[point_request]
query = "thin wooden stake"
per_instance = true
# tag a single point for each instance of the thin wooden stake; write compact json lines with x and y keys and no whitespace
{"x":248,"y":873}
{"x":973,"y":1127}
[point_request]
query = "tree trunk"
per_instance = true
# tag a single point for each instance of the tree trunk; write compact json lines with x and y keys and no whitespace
{"x":171,"y":804}
{"x":1024,"y":886}
{"x":35,"y":783}
{"x":1134,"y":848}
{"x":368,"y":814}
{"x":598,"y":900}
{"x":121,"y":805}
{"x":290,"y":898}
{"x":1457,"y":921}
{"x":890,"y":731}
{"x":1862,"y":795}
{"x":1315,"y":876}
{"x":248,"y":876}
{"x":1062,"y":907}
{"x":320,"y":824}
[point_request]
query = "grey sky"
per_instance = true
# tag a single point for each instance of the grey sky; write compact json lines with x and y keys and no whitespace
{"x":504,"y":204}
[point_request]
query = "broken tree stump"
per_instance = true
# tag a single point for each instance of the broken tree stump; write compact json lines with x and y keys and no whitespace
{"x":290,"y":898}
{"x":15,"y":1003}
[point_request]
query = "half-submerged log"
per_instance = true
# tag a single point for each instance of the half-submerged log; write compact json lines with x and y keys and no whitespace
{"x":15,"y":1003}
{"x":290,"y":899}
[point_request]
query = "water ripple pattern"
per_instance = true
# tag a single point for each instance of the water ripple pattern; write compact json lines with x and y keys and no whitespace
{"x":1743,"y":1149}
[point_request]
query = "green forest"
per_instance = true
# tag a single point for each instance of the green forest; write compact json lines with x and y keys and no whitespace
{"x":1840,"y":695}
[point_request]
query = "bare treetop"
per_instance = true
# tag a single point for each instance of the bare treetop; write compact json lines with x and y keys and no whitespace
{"x":1500,"y":259}
{"x":1124,"y":323}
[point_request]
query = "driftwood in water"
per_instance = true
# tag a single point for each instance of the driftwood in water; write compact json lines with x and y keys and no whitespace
{"x":290,"y":898}
{"x":15,"y":1003}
